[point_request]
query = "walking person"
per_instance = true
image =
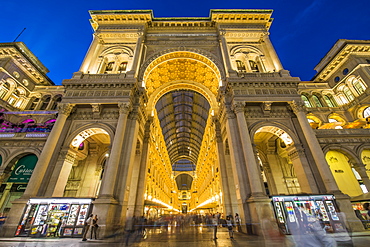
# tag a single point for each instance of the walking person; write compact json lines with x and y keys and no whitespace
{"x":238,"y":222}
{"x":88,"y":224}
{"x":94,"y":227}
{"x":230,"y":224}
{"x":214,"y":225}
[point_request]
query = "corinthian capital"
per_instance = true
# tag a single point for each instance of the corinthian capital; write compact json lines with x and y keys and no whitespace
{"x":229,"y":112}
{"x":65,"y":108}
{"x":124,"y":108}
{"x":239,"y":107}
{"x":297,"y":106}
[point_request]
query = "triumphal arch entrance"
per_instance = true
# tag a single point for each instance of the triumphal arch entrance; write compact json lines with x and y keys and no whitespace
{"x":177,"y":116}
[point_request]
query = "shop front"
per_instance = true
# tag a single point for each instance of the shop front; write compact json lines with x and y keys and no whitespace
{"x":359,"y":204}
{"x":289,"y":211}
{"x":54,"y":217}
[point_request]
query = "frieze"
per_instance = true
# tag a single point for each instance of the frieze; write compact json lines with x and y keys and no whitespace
{"x":244,"y":35}
{"x":206,"y":43}
{"x":118,"y":35}
{"x":17,"y":143}
{"x":98,"y":93}
{"x":265,"y":92}
{"x":324,"y":140}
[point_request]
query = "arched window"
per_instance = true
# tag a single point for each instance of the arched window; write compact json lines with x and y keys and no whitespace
{"x":14,"y":97}
{"x":56,"y":100}
{"x":109,"y":67}
{"x":254,"y":66}
{"x":359,"y":86}
{"x":122,"y":67}
{"x":34,"y":103}
{"x":240,"y":66}
{"x":348,"y":93}
{"x":317,"y":101}
{"x":306,"y":101}
{"x":4,"y":89}
{"x":45,"y":103}
{"x":329,"y":100}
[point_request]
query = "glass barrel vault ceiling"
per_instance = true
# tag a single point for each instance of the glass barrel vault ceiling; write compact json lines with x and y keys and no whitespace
{"x":183,"y":117}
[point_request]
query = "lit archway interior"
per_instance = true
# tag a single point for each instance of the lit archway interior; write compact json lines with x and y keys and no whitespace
{"x":183,"y":173}
{"x":279,"y":172}
{"x":85,"y":162}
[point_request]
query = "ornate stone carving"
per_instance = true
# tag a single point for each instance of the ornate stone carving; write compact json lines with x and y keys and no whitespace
{"x":96,"y":108}
{"x":297,"y":106}
{"x":65,"y":109}
{"x":239,"y":107}
{"x":124,"y":108}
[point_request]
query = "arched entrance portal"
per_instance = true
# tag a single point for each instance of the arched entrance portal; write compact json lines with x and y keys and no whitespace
{"x":183,"y":173}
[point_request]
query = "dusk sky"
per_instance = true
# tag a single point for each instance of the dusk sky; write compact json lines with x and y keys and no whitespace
{"x":303,"y":31}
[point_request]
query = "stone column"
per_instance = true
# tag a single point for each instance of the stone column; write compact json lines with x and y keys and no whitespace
{"x":270,"y":179}
{"x":5,"y":194}
{"x":361,"y":169}
{"x":111,"y":169}
{"x":91,"y":55}
{"x":137,"y":54}
{"x":59,"y":178}
{"x":47,"y":152}
{"x":302,"y":169}
{"x":223,"y":170}
{"x":225,"y":53}
{"x":139,"y":204}
{"x":253,"y":170}
{"x":242,"y":189}
{"x":316,"y":151}
{"x":106,"y":203}
{"x":271,"y":50}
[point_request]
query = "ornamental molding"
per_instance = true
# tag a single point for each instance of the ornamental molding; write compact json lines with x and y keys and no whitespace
{"x":22,"y":143}
{"x":119,"y":35}
{"x":28,"y":67}
{"x":89,"y":115}
{"x":97,"y":93}
{"x":266,"y":91}
{"x":244,"y":35}
{"x":339,"y":58}
{"x":177,"y":43}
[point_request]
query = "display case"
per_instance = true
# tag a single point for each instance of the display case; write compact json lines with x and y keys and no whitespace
{"x":54,"y":217}
{"x":289,"y":211}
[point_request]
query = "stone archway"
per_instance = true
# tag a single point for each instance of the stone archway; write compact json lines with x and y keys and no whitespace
{"x":181,"y":87}
{"x":283,"y":160}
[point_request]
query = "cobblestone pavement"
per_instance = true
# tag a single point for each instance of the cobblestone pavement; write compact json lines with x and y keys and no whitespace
{"x":175,"y":237}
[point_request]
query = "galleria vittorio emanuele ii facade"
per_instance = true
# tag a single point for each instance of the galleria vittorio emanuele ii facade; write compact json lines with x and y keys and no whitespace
{"x":172,"y":116}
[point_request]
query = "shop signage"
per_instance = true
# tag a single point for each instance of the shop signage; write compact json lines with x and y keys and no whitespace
{"x":23,"y":170}
{"x":18,"y":188}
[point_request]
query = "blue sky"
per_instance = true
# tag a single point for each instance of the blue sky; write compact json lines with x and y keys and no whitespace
{"x":59,"y":32}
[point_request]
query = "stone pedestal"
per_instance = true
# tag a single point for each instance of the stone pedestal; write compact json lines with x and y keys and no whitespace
{"x":106,"y":209}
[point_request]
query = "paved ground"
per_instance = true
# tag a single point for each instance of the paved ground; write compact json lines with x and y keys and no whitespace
{"x":188,"y":237}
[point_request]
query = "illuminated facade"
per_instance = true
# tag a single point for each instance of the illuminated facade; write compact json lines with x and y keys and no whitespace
{"x":189,"y":115}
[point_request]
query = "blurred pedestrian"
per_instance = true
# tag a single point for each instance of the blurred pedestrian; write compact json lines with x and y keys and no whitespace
{"x":214,"y":225}
{"x":230,"y":224}
{"x":88,"y":224}
{"x":238,"y":222}
{"x":94,"y":227}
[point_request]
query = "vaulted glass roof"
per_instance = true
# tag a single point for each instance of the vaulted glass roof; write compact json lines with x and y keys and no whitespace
{"x":183,"y":117}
